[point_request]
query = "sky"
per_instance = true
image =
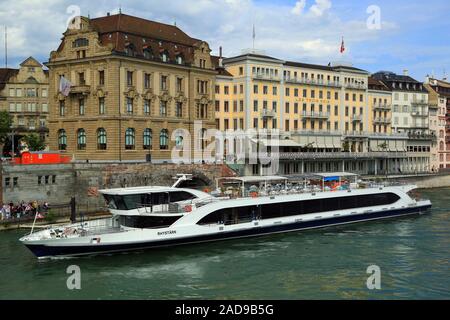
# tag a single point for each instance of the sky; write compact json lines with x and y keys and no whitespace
{"x":378,"y":34}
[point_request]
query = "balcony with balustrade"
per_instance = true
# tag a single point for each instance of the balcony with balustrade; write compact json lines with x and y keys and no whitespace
{"x":422,"y":136}
{"x":382,"y":107}
{"x":266,"y":77}
{"x":339,"y":155}
{"x":315,"y":115}
{"x":313,"y":82}
{"x":382,"y":121}
{"x":355,"y":86}
{"x":420,"y":114}
{"x":265,"y":113}
{"x":356,"y":118}
{"x":419,"y":102}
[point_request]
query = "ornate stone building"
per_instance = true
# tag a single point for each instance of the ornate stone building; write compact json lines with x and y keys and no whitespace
{"x":24,"y":94}
{"x":134,"y":84}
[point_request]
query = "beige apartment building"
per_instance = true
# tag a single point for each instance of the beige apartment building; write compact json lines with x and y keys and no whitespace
{"x":24,"y":93}
{"x":134,"y":84}
{"x":331,"y":117}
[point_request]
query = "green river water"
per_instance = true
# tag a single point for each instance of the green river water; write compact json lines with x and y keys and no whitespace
{"x":413,"y":254}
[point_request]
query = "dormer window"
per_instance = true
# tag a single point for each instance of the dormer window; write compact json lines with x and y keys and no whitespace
{"x":81,"y":42}
{"x":165,"y":56}
{"x":180,"y":59}
{"x":148,"y":54}
{"x":130,"y":51}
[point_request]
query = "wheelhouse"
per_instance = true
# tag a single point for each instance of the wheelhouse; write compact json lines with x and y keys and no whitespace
{"x":152,"y":200}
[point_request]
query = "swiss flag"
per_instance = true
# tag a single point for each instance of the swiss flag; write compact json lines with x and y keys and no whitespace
{"x":342,"y":46}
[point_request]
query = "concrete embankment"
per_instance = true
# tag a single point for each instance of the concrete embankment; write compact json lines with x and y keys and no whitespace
{"x":423,"y":181}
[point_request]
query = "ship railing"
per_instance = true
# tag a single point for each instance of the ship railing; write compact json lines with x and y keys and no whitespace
{"x":299,"y":188}
{"x":102,"y":226}
{"x":175,"y":208}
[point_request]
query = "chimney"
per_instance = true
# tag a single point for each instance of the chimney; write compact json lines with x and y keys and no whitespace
{"x":405,"y":72}
{"x":220,"y":58}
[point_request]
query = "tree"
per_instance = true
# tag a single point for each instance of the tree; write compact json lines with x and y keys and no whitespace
{"x":5,"y":125}
{"x":34,"y":142}
{"x":5,"y":128}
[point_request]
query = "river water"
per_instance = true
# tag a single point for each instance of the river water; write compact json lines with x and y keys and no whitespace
{"x":413,"y":255}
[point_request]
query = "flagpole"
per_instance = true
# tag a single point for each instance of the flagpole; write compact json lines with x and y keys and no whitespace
{"x":254,"y":36}
{"x":6,"y":47}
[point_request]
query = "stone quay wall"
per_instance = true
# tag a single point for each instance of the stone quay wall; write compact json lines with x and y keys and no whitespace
{"x":57,"y":184}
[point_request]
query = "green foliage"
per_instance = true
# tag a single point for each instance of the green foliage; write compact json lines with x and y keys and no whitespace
{"x":5,"y":125}
{"x":50,"y":217}
{"x":383,"y":146}
{"x":346,"y":146}
{"x":34,"y":142}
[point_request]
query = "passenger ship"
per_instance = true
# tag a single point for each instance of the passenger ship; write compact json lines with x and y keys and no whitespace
{"x":150,"y":217}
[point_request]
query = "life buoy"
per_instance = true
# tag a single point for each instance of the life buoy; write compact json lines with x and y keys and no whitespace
{"x":254,"y":194}
{"x":188,"y":208}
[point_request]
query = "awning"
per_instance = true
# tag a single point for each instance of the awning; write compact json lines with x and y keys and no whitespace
{"x":279,"y":143}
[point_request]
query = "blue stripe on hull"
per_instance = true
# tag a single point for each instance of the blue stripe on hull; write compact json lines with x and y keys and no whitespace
{"x":51,"y":251}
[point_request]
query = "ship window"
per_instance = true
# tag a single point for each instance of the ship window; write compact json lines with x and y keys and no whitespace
{"x":135,"y":201}
{"x":277,"y":210}
{"x":231,"y":216}
{"x":143,"y":222}
{"x":181,"y":196}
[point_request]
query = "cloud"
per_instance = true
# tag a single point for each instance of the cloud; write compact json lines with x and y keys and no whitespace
{"x":309,"y":31}
{"x":299,"y":7}
{"x":320,"y":7}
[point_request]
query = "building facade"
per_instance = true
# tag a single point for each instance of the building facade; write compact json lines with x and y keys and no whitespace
{"x":411,"y":116}
{"x":24,"y":94}
{"x":330,"y":118}
{"x":439,"y":99}
{"x":135,"y":84}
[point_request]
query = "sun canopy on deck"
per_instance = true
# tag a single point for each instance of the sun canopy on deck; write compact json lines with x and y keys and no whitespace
{"x":253,"y":179}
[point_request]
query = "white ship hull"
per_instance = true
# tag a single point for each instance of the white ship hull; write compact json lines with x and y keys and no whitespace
{"x":187,"y":230}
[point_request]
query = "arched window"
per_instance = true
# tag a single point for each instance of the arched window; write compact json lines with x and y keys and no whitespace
{"x":81,"y":42}
{"x":148,"y":54}
{"x":62,"y":139}
{"x":180,"y":59}
{"x":164,"y":139}
{"x":101,"y":139}
{"x":148,"y":139}
{"x":179,"y":141}
{"x":81,"y":139}
{"x":165,"y":56}
{"x":441,"y":146}
{"x":130,"y":139}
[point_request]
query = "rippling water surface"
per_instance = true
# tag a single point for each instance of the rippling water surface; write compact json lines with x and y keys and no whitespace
{"x":413,"y":254}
